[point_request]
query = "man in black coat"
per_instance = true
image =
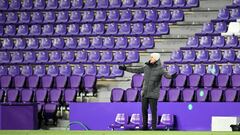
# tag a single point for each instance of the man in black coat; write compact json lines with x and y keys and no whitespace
{"x":153,"y":72}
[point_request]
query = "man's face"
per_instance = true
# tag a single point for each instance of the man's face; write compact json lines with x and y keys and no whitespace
{"x":152,"y":60}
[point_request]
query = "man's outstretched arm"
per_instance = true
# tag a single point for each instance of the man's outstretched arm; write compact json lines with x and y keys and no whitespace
{"x":132,"y":70}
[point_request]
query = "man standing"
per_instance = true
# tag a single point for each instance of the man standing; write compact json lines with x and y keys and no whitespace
{"x":153,"y":72}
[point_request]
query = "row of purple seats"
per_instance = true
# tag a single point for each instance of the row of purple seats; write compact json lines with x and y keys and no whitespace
{"x":134,"y":121}
{"x":227,"y":15}
{"x":211,"y":42}
{"x":202,"y":69}
{"x":121,"y":95}
{"x":30,"y":57}
{"x":234,"y":4}
{"x":95,"y":4}
{"x":105,"y":71}
{"x":204,"y":56}
{"x":212,"y":29}
{"x":91,"y":16}
{"x":199,"y":95}
{"x":97,"y":43}
{"x":86,"y":29}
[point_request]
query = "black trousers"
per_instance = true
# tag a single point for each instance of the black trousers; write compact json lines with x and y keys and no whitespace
{"x":153,"y":107}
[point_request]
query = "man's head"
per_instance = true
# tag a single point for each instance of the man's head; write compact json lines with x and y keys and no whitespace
{"x":154,"y":57}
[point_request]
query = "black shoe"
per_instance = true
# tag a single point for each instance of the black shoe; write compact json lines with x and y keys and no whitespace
{"x":144,"y":128}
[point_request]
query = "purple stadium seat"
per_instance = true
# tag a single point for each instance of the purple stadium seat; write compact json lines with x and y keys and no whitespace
{"x":32,"y":43}
{"x":108,"y":43}
{"x":192,"y":3}
{"x":10,"y":30}
{"x":179,"y":3}
{"x":230,"y":95}
{"x":37,"y":17}
{"x":91,"y":70}
{"x":202,"y":95}
{"x":60,"y":29}
{"x":236,"y":69}
{"x":180,"y":81}
{"x":234,"y":81}
{"x":149,"y":29}
{"x":81,"y":56}
{"x":215,"y":56}
{"x":208,"y":81}
{"x":134,"y":123}
{"x":121,"y":119}
{"x":3,"y":71}
{"x":163,"y":29}
{"x":113,"y":16}
{"x":164,"y":16}
{"x":75,"y":82}
{"x":121,"y":43}
{"x":141,"y":3}
{"x":26,"y":70}
{"x":139,"y":16}
{"x":103,"y":71}
{"x":5,"y":81}
{"x":218,"y":41}
{"x":64,"y":4}
{"x":97,"y":43}
{"x":134,"y":43}
{"x":52,"y":4}
{"x":53,"y":70}
{"x":45,"y":43}
{"x":68,"y":56}
{"x":235,"y":14}
{"x":40,"y":98}
{"x":58,"y":43}
{"x":151,"y":15}
{"x":22,"y":30}
{"x":90,"y":4}
{"x":231,"y":41}
{"x":188,"y":95}
{"x":222,"y":81}
{"x":61,"y":82}
{"x":166,"y":83}
{"x":16,"y":57}
{"x":94,"y":56}
{"x":130,"y":95}
{"x":83,"y":42}
{"x":12,"y":95}
{"x":226,"y":69}
{"x":202,"y":56}
{"x":46,"y":81}
{"x":42,"y":57}
{"x":62,"y":16}
{"x":75,"y":16}
{"x":87,"y":16}
{"x":98,"y":29}
{"x":100,"y":16}
{"x":77,"y":4}
{"x":35,"y":30}
{"x":220,"y":27}
{"x":207,"y":28}
{"x":117,"y":95}
{"x":126,"y":16}
{"x":166,"y":121}
{"x":24,"y":17}
{"x":115,"y":4}
{"x":78,"y":70}
{"x":65,"y":70}
{"x":186,"y":69}
{"x":70,"y":95}
{"x":173,"y":69}
{"x":102,"y":4}
{"x":176,"y":56}
{"x":177,"y":15}
{"x":20,"y":43}
{"x":223,"y":14}
{"x":162,"y":96}
{"x":119,"y":57}
{"x":137,"y":81}
{"x":124,"y":29}
{"x":26,"y":96}
{"x":147,"y":43}
{"x":71,"y":43}
{"x":106,"y":57}
{"x":194,"y":80}
{"x":3,"y":17}
{"x":137,"y":29}
{"x":39,"y":4}
{"x":49,"y":17}
{"x":132,"y":57}
{"x":47,"y":29}
{"x":228,"y":56}
{"x":112,"y":29}
{"x":86,"y":29}
{"x":39,"y":70}
{"x":153,"y":3}
{"x":89,"y":82}
{"x":55,"y":56}
{"x":29,"y":57}
{"x":14,"y":70}
{"x":213,"y":69}
{"x":116,"y":72}
{"x":189,"y":56}
{"x":4,"y":5}
{"x":32,"y":82}
{"x":216,"y":95}
{"x":7,"y":43}
{"x":173,"y":95}
{"x":12,"y":17}
{"x":200,"y":69}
